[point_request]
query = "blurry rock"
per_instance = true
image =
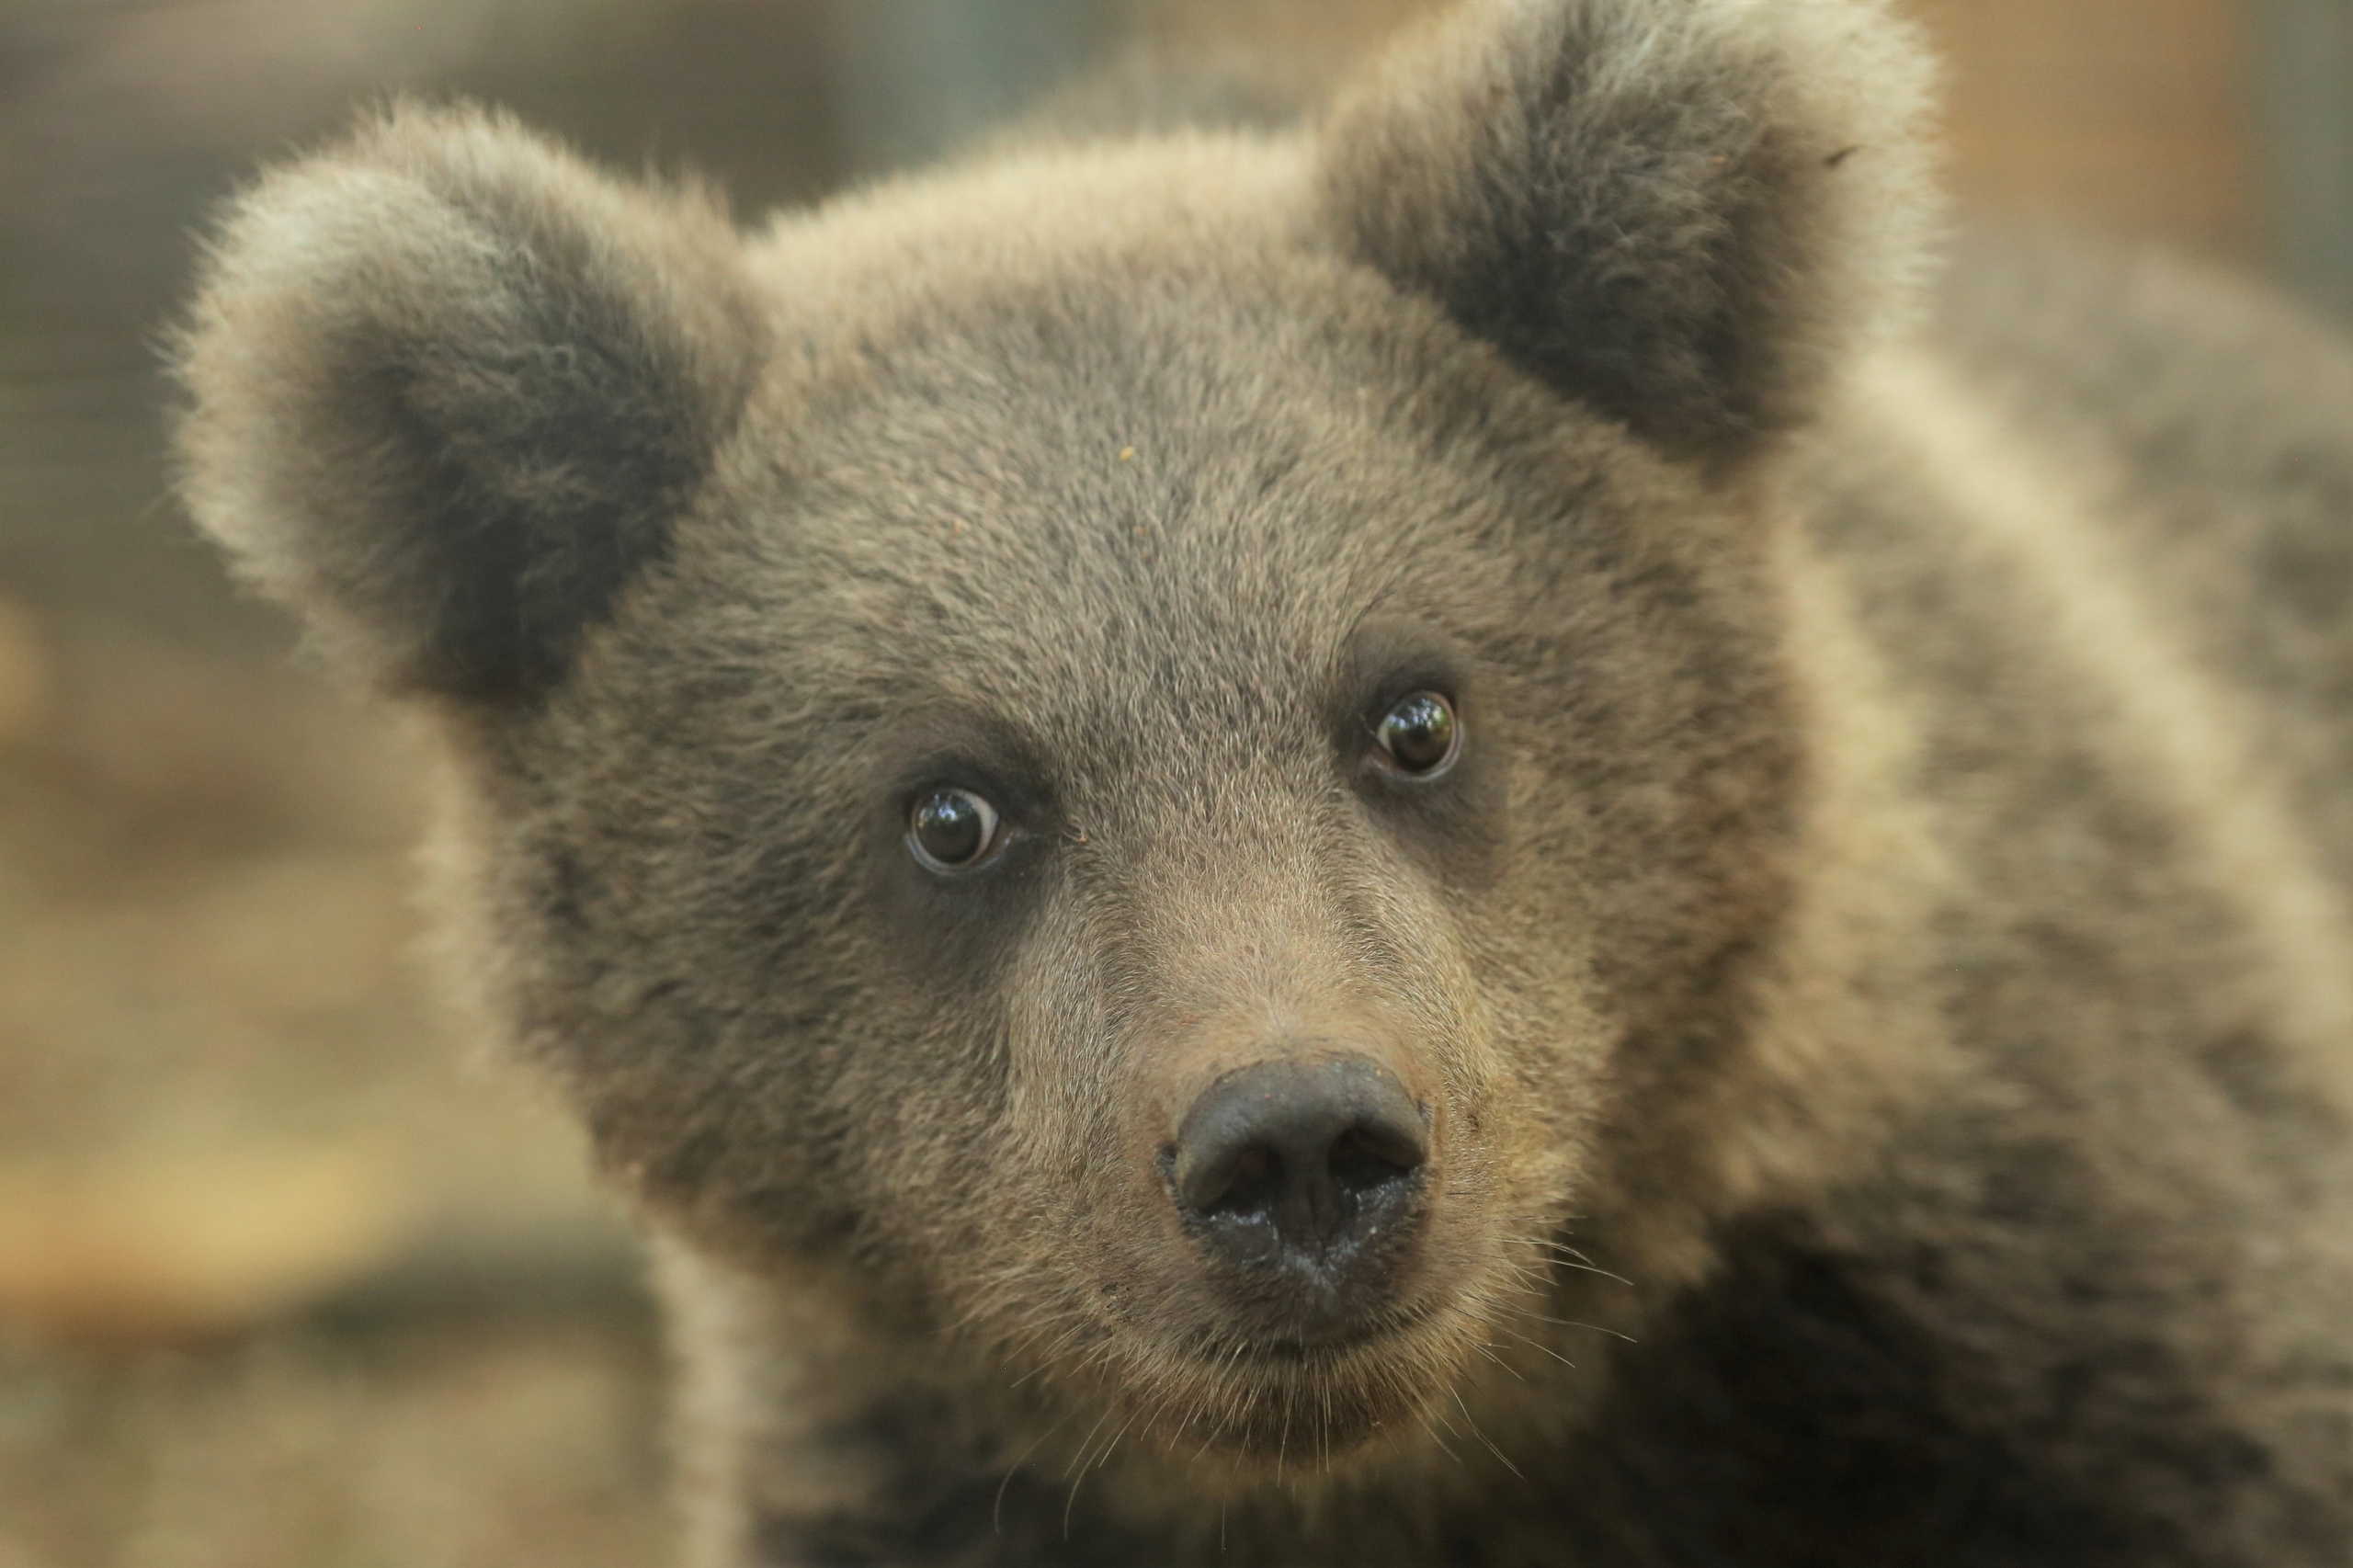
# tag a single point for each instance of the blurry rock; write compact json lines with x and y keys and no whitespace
{"x":217,"y":745}
{"x":192,"y":1248}
{"x":288,"y":938}
{"x":210,"y":997}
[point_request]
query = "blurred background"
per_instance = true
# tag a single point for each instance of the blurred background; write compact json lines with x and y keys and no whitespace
{"x":290,"y":1273}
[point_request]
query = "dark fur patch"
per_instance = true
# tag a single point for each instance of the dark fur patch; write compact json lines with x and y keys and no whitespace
{"x":956,"y":929}
{"x":1681,"y":216}
{"x":544,"y":470}
{"x":1451,"y":824}
{"x":452,"y":389}
{"x":1787,"y":1415}
{"x":947,"y":1505}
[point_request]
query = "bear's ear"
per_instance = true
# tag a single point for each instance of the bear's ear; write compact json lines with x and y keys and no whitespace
{"x":1685,"y":213}
{"x":450,"y":387}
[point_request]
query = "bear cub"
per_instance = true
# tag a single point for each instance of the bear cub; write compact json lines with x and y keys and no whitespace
{"x":1434,"y":837}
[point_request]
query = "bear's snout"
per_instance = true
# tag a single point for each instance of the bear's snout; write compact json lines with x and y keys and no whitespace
{"x":1303,"y":1176}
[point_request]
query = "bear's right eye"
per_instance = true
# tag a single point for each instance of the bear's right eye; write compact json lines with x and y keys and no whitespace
{"x":1420,"y":736}
{"x":951,"y":830}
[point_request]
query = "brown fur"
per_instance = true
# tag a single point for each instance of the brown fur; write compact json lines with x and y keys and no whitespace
{"x":1879,"y":970}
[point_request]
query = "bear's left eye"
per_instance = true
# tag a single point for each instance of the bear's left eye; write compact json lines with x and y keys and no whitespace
{"x":951,"y":830}
{"x":1420,"y":736}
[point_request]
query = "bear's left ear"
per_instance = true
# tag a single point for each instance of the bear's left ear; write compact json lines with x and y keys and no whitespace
{"x":451,"y":389}
{"x":1686,"y":214}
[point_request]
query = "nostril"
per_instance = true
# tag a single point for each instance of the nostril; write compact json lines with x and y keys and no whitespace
{"x":1246,"y":1184}
{"x":1367,"y":1156}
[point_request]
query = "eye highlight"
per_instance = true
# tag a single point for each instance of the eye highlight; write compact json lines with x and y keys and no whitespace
{"x":951,"y":830}
{"x":1420,"y":736}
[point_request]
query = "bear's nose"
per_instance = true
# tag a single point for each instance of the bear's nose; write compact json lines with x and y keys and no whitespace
{"x":1303,"y":1160}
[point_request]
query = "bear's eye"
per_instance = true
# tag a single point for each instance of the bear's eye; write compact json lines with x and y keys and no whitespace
{"x":1420,"y":735}
{"x":951,"y":830}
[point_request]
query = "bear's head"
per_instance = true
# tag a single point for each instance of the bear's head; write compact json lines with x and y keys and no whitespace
{"x":1155,"y":757}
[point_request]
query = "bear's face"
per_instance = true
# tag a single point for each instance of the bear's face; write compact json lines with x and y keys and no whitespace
{"x":1143,"y":568}
{"x":1161,"y":756}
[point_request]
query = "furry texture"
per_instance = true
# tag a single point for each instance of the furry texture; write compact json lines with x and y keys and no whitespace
{"x":1876,"y":973}
{"x":451,"y":386}
{"x":1689,"y":216}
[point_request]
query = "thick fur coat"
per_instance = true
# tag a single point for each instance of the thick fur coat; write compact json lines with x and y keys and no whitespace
{"x":1874,"y":976}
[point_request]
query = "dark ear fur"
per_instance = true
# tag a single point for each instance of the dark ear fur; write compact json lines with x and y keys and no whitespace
{"x":1686,"y":214}
{"x":451,"y":387}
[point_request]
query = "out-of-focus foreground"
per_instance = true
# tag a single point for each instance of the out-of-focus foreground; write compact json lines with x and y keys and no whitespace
{"x":289,"y":1272}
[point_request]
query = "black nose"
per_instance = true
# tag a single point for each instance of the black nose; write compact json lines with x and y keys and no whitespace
{"x":1308,"y":1160}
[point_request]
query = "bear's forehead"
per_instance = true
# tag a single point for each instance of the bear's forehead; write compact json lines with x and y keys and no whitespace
{"x":1115,"y":502}
{"x":909,"y":244}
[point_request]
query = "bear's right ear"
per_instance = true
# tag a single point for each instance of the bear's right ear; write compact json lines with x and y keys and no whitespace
{"x":1685,"y":213}
{"x":450,"y":390}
